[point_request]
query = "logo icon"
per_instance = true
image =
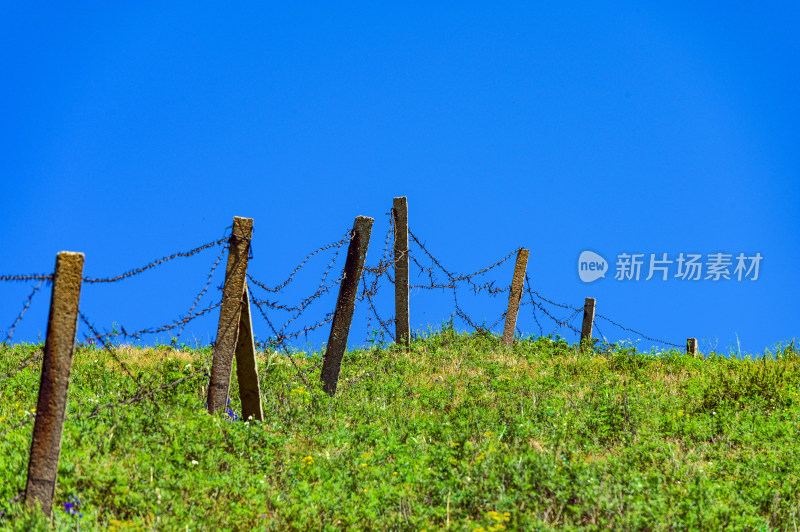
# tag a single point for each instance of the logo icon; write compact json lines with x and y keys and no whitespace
{"x":591,"y":266}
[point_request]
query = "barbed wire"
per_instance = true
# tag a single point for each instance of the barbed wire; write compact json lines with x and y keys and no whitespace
{"x":204,"y":290}
{"x":28,"y":418}
{"x":20,"y":494}
{"x":605,"y":343}
{"x":29,"y":277}
{"x":142,"y":392}
{"x":155,"y":263}
{"x":280,"y":337}
{"x":370,"y":281}
{"x":654,"y":340}
{"x":151,"y":330}
{"x":281,"y":286}
{"x":22,"y":312}
{"x":453,"y":279}
{"x":24,"y":364}
{"x":535,"y":304}
{"x":376,"y":272}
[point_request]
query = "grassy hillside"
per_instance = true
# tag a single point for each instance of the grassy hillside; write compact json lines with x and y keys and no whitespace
{"x":460,"y":434}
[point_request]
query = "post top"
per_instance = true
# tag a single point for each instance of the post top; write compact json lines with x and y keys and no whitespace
{"x":71,"y":254}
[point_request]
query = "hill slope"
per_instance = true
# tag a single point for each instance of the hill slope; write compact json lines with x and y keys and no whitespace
{"x":459,"y":433}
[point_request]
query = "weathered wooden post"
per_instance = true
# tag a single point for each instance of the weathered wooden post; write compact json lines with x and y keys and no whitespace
{"x":246,"y":372}
{"x":345,"y":303}
{"x":402,"y":323}
{"x":588,"y":320}
{"x":691,"y":346}
{"x":59,"y":349}
{"x":514,"y":297}
{"x":229,"y":314}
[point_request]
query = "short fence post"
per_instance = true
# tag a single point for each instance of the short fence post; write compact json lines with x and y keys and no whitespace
{"x":59,"y":350}
{"x":229,"y":314}
{"x":402,"y":322}
{"x":514,"y":297}
{"x":588,"y":320}
{"x":246,"y":372}
{"x":691,"y":346}
{"x":345,"y":303}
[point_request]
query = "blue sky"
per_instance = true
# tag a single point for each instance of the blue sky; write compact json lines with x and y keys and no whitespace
{"x":133,"y":131}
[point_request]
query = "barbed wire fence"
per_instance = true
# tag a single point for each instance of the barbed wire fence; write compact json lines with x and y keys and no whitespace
{"x":294,"y":325}
{"x":370,"y":287}
{"x":144,"y":389}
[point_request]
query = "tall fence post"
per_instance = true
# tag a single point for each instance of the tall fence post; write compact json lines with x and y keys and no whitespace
{"x":345,"y":303}
{"x":514,"y":297}
{"x":59,"y":350}
{"x":588,"y":320}
{"x":229,"y":314}
{"x":246,"y":372}
{"x":691,"y":346}
{"x":402,"y":322}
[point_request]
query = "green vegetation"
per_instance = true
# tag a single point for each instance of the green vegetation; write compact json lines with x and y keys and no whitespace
{"x":460,"y":433}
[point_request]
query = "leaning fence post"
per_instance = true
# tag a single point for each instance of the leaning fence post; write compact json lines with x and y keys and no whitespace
{"x":588,"y":320}
{"x":402,"y":322}
{"x":229,"y":313}
{"x":59,"y":349}
{"x":514,"y":297}
{"x":345,"y":303}
{"x":691,"y":346}
{"x":246,"y":372}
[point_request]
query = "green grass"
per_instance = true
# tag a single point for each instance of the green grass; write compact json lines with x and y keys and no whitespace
{"x":460,"y":434}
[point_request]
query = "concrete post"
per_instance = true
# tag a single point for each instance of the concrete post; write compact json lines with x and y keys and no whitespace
{"x":246,"y":372}
{"x":588,"y":320}
{"x":514,"y":297}
{"x":691,"y":346}
{"x":59,"y":350}
{"x":345,"y":303}
{"x":402,"y":321}
{"x":229,"y":314}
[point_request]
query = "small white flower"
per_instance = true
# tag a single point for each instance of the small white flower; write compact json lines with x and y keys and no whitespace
{"x":195,"y":462}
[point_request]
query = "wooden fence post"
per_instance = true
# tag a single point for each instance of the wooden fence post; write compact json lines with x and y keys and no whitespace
{"x":514,"y":296}
{"x":691,"y":346}
{"x":588,"y":320}
{"x":345,"y":303}
{"x":246,"y":372}
{"x":402,"y":323}
{"x":229,"y":314}
{"x":59,"y":350}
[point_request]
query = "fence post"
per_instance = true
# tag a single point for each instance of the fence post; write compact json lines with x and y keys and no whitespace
{"x":402,"y":322}
{"x":691,"y":346}
{"x":514,"y":297}
{"x":59,"y":350}
{"x":229,"y":314}
{"x":246,"y":372}
{"x":345,"y":303}
{"x":588,"y":320}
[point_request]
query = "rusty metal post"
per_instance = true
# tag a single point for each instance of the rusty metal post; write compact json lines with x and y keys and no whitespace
{"x":691,"y":346}
{"x":229,"y":314}
{"x":588,"y":320}
{"x":402,"y":322}
{"x":246,"y":372}
{"x":345,"y":303}
{"x":514,"y":297}
{"x":59,"y":349}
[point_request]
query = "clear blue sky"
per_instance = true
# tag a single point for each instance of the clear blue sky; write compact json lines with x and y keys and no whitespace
{"x":132,"y":131}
